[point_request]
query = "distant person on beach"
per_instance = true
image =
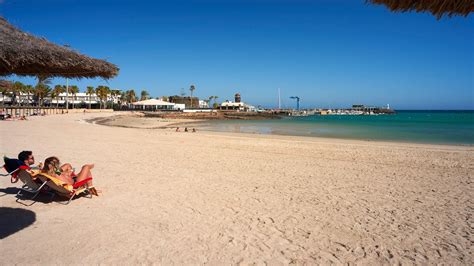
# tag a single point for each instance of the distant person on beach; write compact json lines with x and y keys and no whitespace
{"x":185,"y":129}
{"x":177,"y":129}
{"x":65,"y":172}
{"x":194,"y":130}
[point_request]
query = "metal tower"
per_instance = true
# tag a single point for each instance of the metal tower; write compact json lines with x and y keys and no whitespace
{"x":297,"y":101}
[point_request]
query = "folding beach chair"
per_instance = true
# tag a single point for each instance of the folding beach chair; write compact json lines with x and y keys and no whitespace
{"x":12,"y":166}
{"x":30,"y":184}
{"x":65,"y":190}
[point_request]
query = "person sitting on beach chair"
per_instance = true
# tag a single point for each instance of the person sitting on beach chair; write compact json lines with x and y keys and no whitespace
{"x":27,"y":158}
{"x":65,"y":173}
{"x":61,"y":184}
{"x":25,"y":161}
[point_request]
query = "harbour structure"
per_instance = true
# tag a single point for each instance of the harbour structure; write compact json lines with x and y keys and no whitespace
{"x":297,"y":102}
{"x":237,"y":105}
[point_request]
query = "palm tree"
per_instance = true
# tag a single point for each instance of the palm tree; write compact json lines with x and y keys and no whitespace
{"x":102,"y":92}
{"x":17,"y":89}
{"x":215,"y":99}
{"x":42,"y":88}
{"x":5,"y":89}
{"x":131,"y":96}
{"x":209,"y":101}
{"x":74,"y":90}
{"x":89,"y":91}
{"x":192,"y":88}
{"x":144,"y":95}
{"x":123,"y":97}
{"x":113,"y":94}
{"x":97,"y":93}
{"x":29,"y":90}
{"x":58,"y":89}
{"x":42,"y":91}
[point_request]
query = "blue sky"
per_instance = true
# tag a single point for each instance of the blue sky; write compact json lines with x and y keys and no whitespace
{"x":331,"y":53}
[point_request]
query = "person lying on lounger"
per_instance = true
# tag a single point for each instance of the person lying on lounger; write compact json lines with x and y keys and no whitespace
{"x":65,"y":172}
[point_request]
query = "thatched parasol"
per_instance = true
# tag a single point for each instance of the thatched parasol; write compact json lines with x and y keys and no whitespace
{"x":26,"y":55}
{"x":437,"y":7}
{"x":5,"y":84}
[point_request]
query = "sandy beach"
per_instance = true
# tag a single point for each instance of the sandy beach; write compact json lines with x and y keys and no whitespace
{"x":223,"y":198}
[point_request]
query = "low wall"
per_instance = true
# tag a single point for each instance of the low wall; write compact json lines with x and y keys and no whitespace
{"x":17,"y":111}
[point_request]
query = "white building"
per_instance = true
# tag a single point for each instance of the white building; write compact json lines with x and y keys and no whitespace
{"x":203,"y":104}
{"x":80,"y":98}
{"x":237,"y":106}
{"x":155,"y":104}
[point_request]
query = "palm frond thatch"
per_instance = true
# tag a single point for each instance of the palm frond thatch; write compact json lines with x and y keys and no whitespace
{"x":26,"y":55}
{"x":438,"y":8}
{"x":5,"y":84}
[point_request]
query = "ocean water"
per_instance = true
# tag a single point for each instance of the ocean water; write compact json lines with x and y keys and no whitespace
{"x":436,"y":127}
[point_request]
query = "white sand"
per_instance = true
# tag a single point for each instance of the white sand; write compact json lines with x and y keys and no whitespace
{"x":222,"y":198}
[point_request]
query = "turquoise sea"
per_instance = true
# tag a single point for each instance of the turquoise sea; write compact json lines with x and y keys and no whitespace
{"x":437,"y":127}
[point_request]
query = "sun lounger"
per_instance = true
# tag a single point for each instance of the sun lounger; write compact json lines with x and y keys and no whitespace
{"x":30,"y":184}
{"x":66,"y":190}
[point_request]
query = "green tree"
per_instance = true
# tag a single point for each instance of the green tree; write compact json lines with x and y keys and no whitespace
{"x":209,"y":101}
{"x":192,"y":88}
{"x":57,"y":90}
{"x":17,"y":89}
{"x":42,"y":89}
{"x":89,"y":91}
{"x":123,"y":97}
{"x":5,"y":89}
{"x":29,"y":91}
{"x":114,"y":94}
{"x":131,"y":96}
{"x":102,"y":92}
{"x":73,"y":90}
{"x":144,"y":95}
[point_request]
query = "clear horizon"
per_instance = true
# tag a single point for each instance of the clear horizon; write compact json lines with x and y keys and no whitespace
{"x":332,"y":54}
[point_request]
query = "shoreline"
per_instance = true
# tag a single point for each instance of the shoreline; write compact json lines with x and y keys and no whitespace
{"x":199,"y":124}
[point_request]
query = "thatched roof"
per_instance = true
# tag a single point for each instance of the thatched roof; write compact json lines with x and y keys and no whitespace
{"x":5,"y":84}
{"x":26,"y":55}
{"x":437,"y":7}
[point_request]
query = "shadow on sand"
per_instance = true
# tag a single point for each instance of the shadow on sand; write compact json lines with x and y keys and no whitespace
{"x":25,"y":198}
{"x":13,"y":220}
